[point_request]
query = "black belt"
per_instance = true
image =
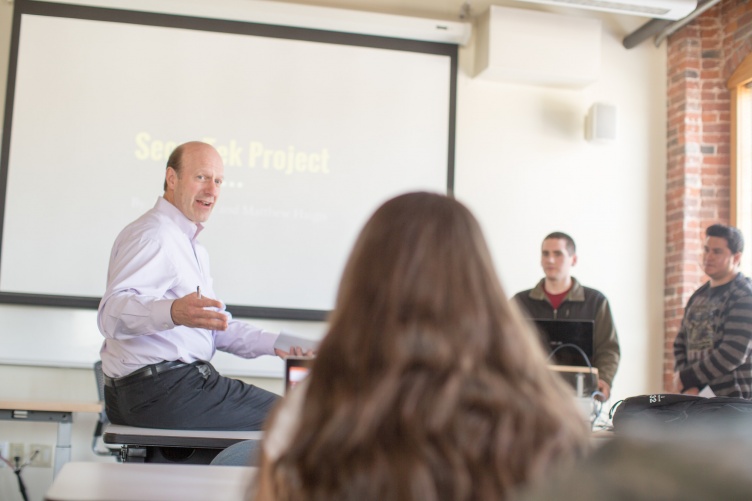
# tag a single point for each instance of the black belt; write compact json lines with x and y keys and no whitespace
{"x":144,"y":372}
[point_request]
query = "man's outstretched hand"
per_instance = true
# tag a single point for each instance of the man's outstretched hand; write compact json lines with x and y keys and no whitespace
{"x":193,"y":311}
{"x":295,"y":351}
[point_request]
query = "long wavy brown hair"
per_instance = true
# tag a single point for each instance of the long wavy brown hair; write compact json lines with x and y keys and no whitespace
{"x":428,"y":384}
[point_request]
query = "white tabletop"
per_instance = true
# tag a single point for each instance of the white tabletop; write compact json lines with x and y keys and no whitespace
{"x":45,"y":406}
{"x":88,"y":481}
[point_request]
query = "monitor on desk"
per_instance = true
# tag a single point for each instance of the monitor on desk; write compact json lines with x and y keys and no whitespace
{"x":296,"y":370}
{"x":557,"y":334}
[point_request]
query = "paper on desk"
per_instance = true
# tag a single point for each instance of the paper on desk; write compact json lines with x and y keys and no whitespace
{"x":285,"y":341}
{"x":706,"y":392}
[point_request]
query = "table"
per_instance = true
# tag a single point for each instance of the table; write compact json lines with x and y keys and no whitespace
{"x":50,"y":412}
{"x":153,"y":445}
{"x":84,"y":481}
{"x":584,"y":380}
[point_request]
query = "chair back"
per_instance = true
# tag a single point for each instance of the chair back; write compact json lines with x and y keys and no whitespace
{"x":99,"y":375}
{"x":103,"y":419}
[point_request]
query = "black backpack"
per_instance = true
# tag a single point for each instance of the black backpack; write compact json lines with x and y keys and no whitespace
{"x":671,"y":410}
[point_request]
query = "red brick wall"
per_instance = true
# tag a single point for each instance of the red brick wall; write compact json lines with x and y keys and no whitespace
{"x":701,"y":58}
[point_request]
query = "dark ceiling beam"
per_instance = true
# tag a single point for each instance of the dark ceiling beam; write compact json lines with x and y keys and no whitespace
{"x":647,"y":30}
{"x":701,"y":8}
{"x":662,"y":28}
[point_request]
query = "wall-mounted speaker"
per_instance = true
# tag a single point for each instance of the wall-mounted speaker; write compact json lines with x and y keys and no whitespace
{"x":600,"y":123}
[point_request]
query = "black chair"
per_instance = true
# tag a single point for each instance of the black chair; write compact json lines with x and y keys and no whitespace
{"x":103,"y":421}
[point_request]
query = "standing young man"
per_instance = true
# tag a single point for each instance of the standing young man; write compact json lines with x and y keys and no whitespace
{"x":560,"y":296}
{"x":714,"y":342}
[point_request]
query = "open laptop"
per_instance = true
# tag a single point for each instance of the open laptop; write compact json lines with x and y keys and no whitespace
{"x":296,"y":370}
{"x":569,"y":344}
{"x":562,"y":338}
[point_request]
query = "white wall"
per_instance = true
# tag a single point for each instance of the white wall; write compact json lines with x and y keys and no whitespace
{"x":524,"y":168}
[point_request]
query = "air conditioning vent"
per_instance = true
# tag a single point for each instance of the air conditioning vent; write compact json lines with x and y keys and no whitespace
{"x":663,"y":9}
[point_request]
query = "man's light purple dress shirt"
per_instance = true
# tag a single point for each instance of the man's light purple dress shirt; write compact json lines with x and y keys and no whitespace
{"x":155,"y":260}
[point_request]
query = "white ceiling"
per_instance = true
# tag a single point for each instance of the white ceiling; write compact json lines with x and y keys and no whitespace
{"x":618,"y":25}
{"x":448,"y":9}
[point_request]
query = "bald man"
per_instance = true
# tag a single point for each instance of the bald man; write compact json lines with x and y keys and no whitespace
{"x":162,"y":322}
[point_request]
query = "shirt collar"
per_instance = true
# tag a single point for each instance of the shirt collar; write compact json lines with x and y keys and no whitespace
{"x":187,"y":226}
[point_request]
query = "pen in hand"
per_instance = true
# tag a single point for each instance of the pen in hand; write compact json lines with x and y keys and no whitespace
{"x":198,"y":291}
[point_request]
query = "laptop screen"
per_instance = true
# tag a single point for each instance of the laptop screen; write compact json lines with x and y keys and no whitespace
{"x":296,"y":370}
{"x":561,"y":338}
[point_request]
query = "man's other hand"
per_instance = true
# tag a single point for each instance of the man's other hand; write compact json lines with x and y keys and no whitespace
{"x":193,"y":311}
{"x":604,"y":388}
{"x":295,"y":351}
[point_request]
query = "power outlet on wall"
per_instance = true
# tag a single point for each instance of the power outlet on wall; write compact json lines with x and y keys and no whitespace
{"x":16,"y":450}
{"x":42,"y":458}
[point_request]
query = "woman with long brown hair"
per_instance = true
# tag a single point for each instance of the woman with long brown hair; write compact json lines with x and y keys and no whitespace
{"x":428,"y":384}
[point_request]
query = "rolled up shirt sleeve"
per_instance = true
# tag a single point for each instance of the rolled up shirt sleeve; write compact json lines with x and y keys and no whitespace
{"x":135,"y":302}
{"x":245,"y":340}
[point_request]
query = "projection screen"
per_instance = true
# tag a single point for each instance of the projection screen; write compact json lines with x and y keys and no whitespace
{"x":316,"y":129}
